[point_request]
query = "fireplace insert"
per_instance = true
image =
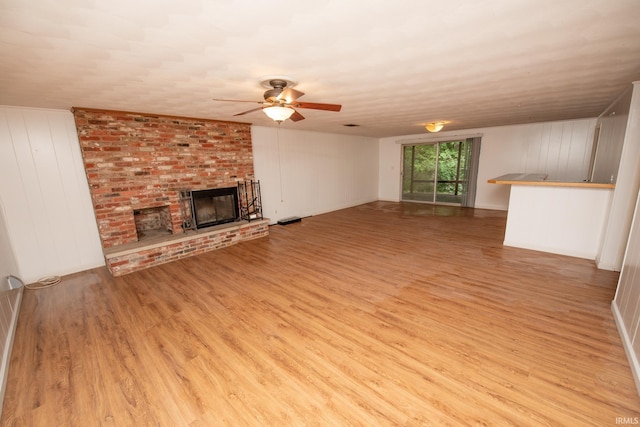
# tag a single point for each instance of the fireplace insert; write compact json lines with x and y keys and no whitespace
{"x":214,"y":206}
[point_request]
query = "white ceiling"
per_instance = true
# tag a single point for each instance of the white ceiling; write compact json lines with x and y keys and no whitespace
{"x":393,"y":65}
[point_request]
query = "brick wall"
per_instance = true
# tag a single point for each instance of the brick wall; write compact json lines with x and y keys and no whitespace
{"x":136,"y":161}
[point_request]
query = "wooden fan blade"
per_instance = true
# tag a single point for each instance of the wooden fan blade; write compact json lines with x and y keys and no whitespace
{"x":296,"y":117}
{"x":236,"y":100}
{"x":318,"y":106}
{"x":248,"y":111}
{"x":290,"y":95}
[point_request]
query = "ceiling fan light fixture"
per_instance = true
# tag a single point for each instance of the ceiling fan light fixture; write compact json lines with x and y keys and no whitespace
{"x":434,"y":127}
{"x":278,"y":114}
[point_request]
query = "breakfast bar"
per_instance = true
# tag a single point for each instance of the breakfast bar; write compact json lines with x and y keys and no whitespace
{"x":566,"y":218}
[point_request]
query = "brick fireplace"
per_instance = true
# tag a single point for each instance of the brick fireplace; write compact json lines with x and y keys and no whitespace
{"x":136,"y":165}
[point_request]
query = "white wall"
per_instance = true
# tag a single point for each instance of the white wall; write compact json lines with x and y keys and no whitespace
{"x":561,"y":220}
{"x":44,"y":189}
{"x":305,"y":173}
{"x":626,"y":304}
{"x":9,"y":302}
{"x":560,"y":149}
{"x":627,"y":185}
{"x":8,"y":265}
{"x":613,"y":125}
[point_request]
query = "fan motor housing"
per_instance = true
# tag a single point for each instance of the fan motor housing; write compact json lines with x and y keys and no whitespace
{"x":277,"y":85}
{"x":271,"y":95}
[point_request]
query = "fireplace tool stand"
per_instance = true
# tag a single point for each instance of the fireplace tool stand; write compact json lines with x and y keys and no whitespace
{"x":250,"y":200}
{"x":186,"y":209}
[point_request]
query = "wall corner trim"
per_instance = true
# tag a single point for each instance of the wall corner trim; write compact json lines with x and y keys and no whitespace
{"x":627,"y":344}
{"x":8,"y":344}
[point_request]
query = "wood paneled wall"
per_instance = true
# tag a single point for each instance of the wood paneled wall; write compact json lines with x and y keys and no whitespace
{"x":45,"y":194}
{"x":626,"y":307}
{"x":305,"y":173}
{"x":9,"y":310}
{"x":612,"y":126}
{"x":627,"y":186}
{"x":9,"y":302}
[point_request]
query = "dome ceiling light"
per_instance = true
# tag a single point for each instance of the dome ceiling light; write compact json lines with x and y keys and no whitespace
{"x":434,"y":127}
{"x":278,"y":114}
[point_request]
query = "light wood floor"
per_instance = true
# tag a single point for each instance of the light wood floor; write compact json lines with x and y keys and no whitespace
{"x":382,"y":314}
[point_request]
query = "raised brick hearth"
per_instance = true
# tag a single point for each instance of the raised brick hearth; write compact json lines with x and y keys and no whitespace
{"x":129,"y":258}
{"x":137,"y":163}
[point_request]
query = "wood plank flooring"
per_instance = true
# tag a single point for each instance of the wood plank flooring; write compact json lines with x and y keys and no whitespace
{"x":381,"y":314}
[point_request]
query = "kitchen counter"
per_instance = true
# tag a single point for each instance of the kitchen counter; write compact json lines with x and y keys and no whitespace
{"x":541,"y":179}
{"x":565,"y":218}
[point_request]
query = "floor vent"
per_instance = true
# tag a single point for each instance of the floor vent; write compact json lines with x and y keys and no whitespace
{"x":290,"y":220}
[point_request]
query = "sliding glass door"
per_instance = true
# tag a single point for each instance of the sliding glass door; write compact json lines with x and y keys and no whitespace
{"x":440,"y":172}
{"x":419,"y":172}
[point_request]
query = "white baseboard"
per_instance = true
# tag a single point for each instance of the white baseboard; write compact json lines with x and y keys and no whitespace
{"x":573,"y":252}
{"x":607,"y":266}
{"x":6,"y":355}
{"x":627,"y":344}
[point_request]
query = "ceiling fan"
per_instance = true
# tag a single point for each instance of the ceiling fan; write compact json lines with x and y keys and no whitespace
{"x":281,"y":100}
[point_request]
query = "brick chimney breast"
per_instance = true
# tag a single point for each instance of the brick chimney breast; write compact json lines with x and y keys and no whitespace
{"x":137,"y":161}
